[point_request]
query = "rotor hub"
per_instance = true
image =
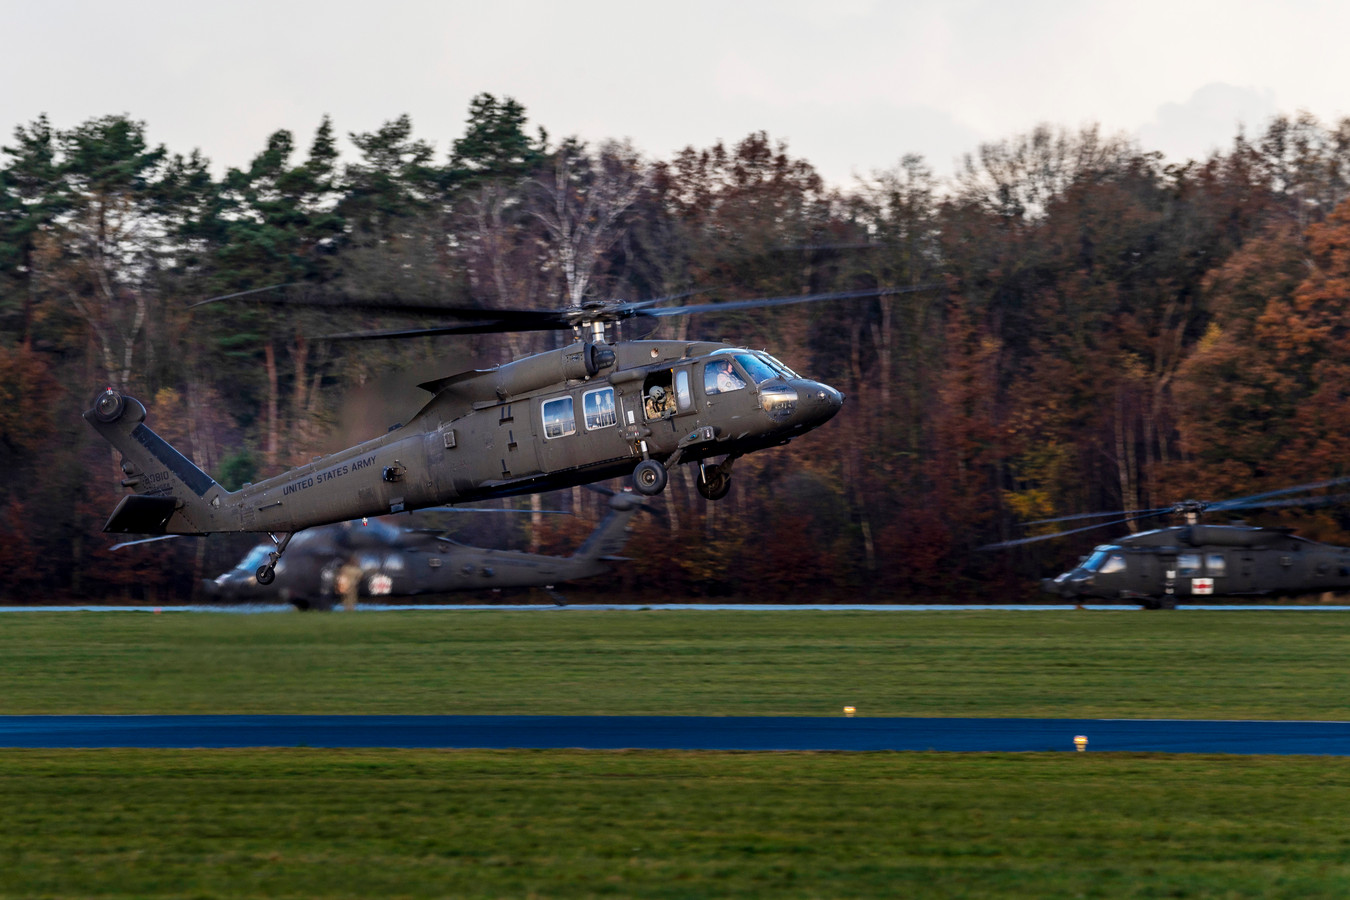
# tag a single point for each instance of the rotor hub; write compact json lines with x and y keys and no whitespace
{"x":1191,"y":509}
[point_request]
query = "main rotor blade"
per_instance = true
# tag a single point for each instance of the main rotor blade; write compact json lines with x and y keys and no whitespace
{"x":1137,"y":513}
{"x":1003,"y":545}
{"x":761,"y":303}
{"x":149,"y":540}
{"x":480,"y":320}
{"x":416,"y":308}
{"x":1247,"y":501}
{"x":235,"y":296}
{"x":1327,"y":500}
{"x":1264,"y":500}
{"x":339,"y":303}
{"x":495,"y":326}
{"x":497,"y":320}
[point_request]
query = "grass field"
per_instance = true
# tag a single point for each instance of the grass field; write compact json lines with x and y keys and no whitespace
{"x":1190,"y":664}
{"x":297,"y":823}
{"x":312,"y":823}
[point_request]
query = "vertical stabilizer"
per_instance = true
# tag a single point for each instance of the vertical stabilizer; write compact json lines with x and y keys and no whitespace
{"x":172,"y":496}
{"x":611,"y":534}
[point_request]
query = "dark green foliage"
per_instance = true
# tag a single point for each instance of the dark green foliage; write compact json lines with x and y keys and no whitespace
{"x":237,"y":470}
{"x":495,"y":144}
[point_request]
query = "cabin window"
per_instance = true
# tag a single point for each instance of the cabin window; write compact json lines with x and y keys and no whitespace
{"x":720,"y":378}
{"x":1188,"y":564}
{"x":1215,"y":565}
{"x":599,"y":408}
{"x":559,"y":420}
{"x":684,"y":397}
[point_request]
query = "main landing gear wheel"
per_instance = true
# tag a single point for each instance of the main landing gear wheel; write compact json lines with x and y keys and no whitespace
{"x":713,"y":484}
{"x":265,"y":575}
{"x":650,"y":477}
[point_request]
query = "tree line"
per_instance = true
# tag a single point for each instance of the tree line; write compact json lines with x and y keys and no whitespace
{"x":1098,"y":329}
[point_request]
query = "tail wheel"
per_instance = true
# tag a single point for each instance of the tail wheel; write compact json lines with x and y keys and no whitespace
{"x":109,"y":406}
{"x":650,"y":477}
{"x":265,"y":575}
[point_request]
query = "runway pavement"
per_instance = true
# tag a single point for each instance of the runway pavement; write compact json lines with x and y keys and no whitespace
{"x":679,"y":732}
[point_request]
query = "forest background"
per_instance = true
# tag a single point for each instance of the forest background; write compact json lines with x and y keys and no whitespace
{"x":1105,"y":331}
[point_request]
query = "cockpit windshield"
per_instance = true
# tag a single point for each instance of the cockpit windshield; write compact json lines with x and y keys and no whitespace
{"x":777,"y":365}
{"x":759,"y":365}
{"x":1105,"y":560}
{"x":758,"y":370}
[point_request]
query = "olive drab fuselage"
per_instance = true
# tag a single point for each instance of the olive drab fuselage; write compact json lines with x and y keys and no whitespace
{"x":1159,"y":567}
{"x":580,"y":414}
{"x":390,"y":562}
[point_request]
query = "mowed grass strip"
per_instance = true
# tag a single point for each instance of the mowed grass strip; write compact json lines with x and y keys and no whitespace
{"x":1128,"y":663}
{"x":305,"y":823}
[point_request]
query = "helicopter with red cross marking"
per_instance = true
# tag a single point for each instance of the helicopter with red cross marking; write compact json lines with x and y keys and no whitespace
{"x":1198,"y":560}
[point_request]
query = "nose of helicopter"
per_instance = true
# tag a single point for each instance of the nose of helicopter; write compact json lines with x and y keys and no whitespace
{"x":1069,"y":585}
{"x":817,"y":403}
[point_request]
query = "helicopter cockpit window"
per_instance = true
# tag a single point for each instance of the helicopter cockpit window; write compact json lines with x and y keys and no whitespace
{"x":720,"y":378}
{"x":1114,"y":563}
{"x":559,"y":420}
{"x":1094,"y":561}
{"x":599,"y":408}
{"x":1100,"y":557}
{"x":777,"y":365}
{"x":1215,"y":564}
{"x":756,"y":368}
{"x":1188,"y":564}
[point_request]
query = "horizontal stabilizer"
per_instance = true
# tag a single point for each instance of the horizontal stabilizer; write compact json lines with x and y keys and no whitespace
{"x":141,"y":514}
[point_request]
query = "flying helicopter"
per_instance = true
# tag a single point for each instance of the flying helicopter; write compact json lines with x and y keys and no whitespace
{"x":592,"y":410}
{"x":1198,"y":560}
{"x":392,"y":561}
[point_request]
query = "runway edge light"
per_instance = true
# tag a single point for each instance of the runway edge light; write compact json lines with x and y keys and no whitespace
{"x":849,"y":711}
{"x":1080,"y":741}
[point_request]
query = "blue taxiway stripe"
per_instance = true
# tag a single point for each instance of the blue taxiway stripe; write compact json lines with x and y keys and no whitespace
{"x":679,"y":733}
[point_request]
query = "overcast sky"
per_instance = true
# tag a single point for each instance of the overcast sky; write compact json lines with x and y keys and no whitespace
{"x":851,"y":85}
